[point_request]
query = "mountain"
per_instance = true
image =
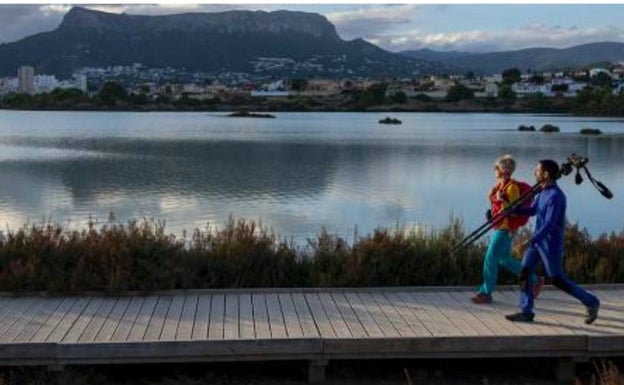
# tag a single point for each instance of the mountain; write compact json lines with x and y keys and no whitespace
{"x":281,"y":43}
{"x":539,"y":59}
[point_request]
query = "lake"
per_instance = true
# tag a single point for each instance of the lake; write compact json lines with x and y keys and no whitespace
{"x":296,"y":173}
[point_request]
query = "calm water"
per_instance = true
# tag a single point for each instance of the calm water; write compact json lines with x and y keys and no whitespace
{"x":296,"y":173}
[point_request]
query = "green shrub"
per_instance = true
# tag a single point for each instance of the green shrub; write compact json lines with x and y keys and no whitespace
{"x":141,"y":256}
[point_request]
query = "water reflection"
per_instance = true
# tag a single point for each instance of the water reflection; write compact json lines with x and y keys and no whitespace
{"x":295,"y":175}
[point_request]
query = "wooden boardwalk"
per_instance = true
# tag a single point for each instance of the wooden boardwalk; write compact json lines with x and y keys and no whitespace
{"x":317,"y":325}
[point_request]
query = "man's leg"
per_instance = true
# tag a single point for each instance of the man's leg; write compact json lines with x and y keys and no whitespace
{"x":590,"y":301}
{"x":529,"y":262}
{"x":514,"y":266}
{"x":553,"y":262}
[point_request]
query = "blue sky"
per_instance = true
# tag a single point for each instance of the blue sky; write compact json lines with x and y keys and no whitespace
{"x":443,"y":27}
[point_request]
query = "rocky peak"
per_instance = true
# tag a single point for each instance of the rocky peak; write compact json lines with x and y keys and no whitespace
{"x":223,"y":22}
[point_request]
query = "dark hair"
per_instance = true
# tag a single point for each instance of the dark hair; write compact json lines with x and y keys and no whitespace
{"x":551,"y":167}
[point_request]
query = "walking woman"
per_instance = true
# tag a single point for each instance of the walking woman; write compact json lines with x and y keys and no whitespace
{"x":499,"y":252}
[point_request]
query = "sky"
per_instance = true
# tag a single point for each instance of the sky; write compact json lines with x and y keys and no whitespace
{"x":394,"y":27}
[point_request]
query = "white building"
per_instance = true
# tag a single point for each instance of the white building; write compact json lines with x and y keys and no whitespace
{"x":26,"y":80}
{"x":595,"y":71}
{"x":80,"y":81}
{"x":45,"y":83}
{"x":8,"y":85}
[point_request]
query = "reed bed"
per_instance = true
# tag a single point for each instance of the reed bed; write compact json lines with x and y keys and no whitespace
{"x":142,"y":256}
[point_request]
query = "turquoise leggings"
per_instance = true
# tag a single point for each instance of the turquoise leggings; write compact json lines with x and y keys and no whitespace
{"x":499,"y":253}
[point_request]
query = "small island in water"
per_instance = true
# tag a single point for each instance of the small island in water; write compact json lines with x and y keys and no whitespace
{"x":389,"y":120}
{"x":247,"y":114}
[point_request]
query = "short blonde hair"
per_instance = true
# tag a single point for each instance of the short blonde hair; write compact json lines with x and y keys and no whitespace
{"x":506,"y":163}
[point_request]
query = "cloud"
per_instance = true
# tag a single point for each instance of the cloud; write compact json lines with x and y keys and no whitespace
{"x":368,"y":21}
{"x":533,"y":35}
{"x":18,"y":21}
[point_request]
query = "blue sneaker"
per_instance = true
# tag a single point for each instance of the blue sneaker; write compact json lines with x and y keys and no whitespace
{"x":520,"y":317}
{"x":591,"y":313}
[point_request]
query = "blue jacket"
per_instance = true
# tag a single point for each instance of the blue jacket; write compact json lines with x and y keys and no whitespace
{"x":550,"y":207}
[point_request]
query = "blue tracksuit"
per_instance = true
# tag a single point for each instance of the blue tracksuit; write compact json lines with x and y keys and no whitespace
{"x":547,"y":245}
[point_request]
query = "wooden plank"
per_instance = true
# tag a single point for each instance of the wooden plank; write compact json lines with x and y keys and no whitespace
{"x":415,"y":313}
{"x":261,"y":318}
{"x":15,"y":312}
{"x":170,"y":328}
{"x":112,"y":321}
{"x":393,"y":315}
{"x":378,"y":315}
{"x":305,"y":317}
{"x":416,"y":327}
{"x":187,"y":319}
{"x":535,"y":328}
{"x":318,"y":314}
{"x":465,"y":317}
{"x":487,"y":314}
{"x":348,"y":314}
{"x":37,"y":320}
{"x":97,"y":320}
{"x":202,"y":318}
{"x":7,"y":305}
{"x":217,"y":311}
{"x":129,"y":318}
{"x":79,"y":326}
{"x":246,"y":315}
{"x":157,"y":322}
{"x":366,"y":319}
{"x":560,"y":324}
{"x":53,"y":320}
{"x":335,"y":318}
{"x":609,"y":320}
{"x":449,"y":311}
{"x":69,"y":319}
{"x":230,"y":322}
{"x":276,"y":318}
{"x":440,"y":325}
{"x":567,"y":311}
{"x":291,"y":320}
{"x":139,"y":327}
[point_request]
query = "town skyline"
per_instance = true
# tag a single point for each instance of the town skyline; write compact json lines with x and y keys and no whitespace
{"x":441,"y":27}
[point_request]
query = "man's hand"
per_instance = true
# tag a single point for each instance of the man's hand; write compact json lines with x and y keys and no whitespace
{"x":520,"y":247}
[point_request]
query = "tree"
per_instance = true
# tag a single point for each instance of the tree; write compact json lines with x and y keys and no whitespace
{"x":511,"y":76}
{"x":505,"y":92}
{"x":459,"y":92}
{"x":111,"y":93}
{"x":537,"y":79}
{"x":399,"y":97}
{"x":299,"y":84}
{"x":559,"y":88}
{"x":373,"y":95}
{"x":601,"y":79}
{"x":538,"y":102}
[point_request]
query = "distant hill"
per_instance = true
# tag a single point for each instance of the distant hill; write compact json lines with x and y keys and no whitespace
{"x":281,"y":43}
{"x":539,"y":59}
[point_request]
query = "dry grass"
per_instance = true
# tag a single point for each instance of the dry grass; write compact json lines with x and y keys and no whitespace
{"x":142,"y":256}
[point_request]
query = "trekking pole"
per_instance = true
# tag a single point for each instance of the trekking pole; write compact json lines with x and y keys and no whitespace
{"x":484,"y":228}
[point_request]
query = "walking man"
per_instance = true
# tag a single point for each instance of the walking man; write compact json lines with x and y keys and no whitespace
{"x":546,"y":245}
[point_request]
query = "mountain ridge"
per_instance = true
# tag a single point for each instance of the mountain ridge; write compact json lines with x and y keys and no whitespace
{"x":538,"y":59}
{"x":304,"y":44}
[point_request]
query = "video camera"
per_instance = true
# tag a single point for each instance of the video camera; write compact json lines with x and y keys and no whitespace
{"x":580,"y":163}
{"x":572,"y":162}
